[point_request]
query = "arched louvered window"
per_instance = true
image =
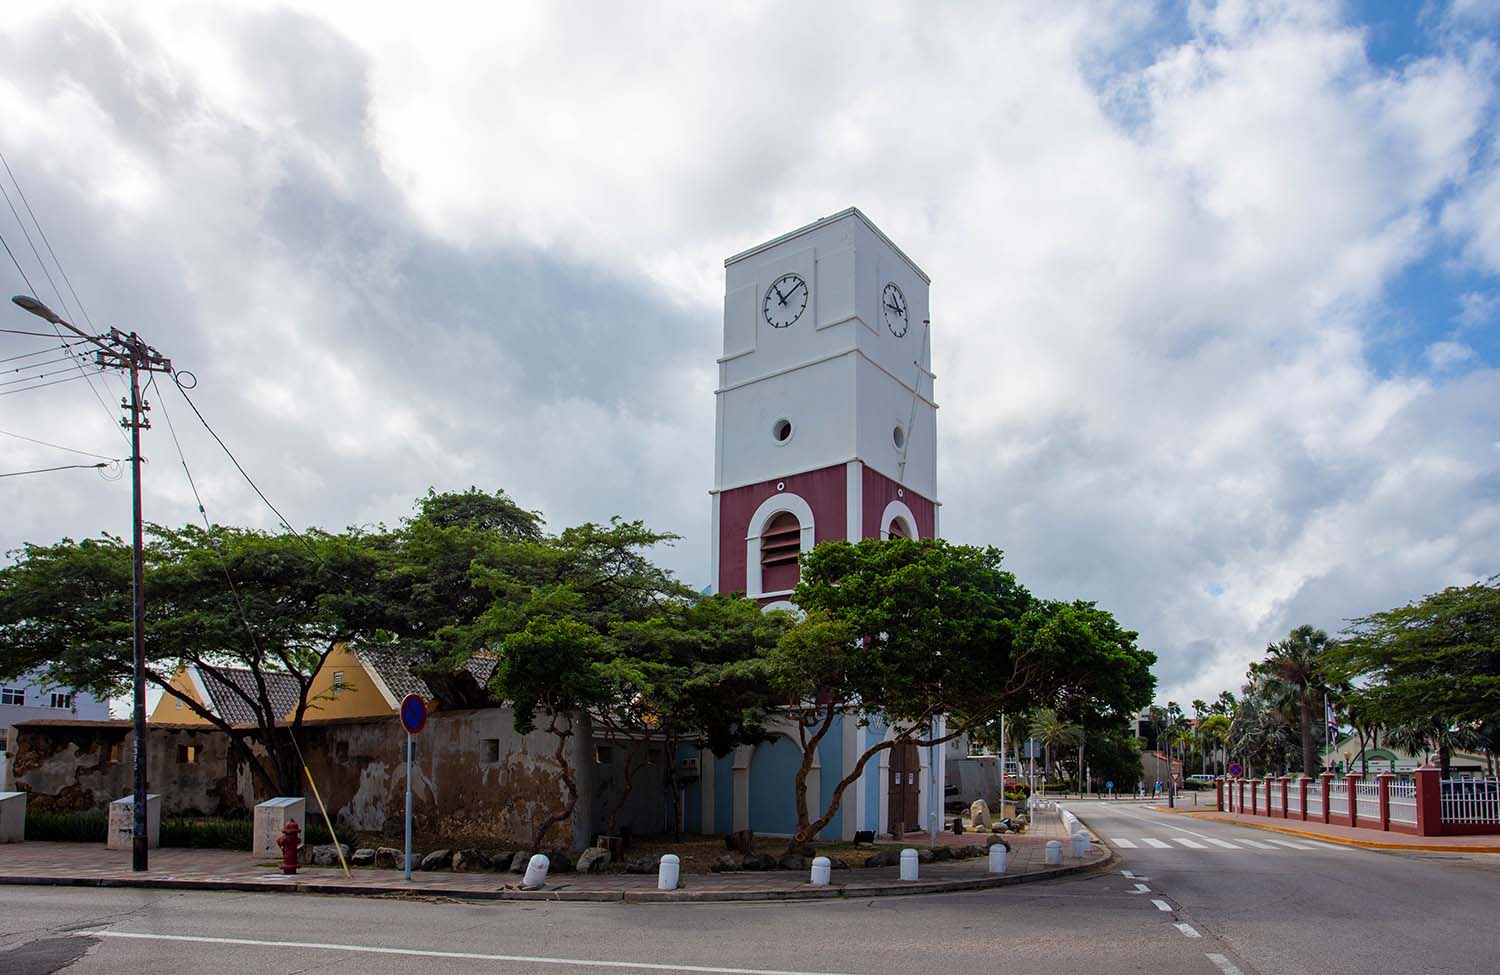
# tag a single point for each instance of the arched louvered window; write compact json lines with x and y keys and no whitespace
{"x":897,"y":529}
{"x":781,"y":542}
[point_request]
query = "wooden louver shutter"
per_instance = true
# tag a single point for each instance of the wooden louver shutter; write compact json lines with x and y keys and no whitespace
{"x":781,"y":542}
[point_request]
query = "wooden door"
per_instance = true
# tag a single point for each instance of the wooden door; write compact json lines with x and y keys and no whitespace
{"x":904,"y":791}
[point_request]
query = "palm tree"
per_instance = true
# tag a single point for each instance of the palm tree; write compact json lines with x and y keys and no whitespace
{"x":1261,"y":732}
{"x":1052,"y":730}
{"x":1298,"y":665}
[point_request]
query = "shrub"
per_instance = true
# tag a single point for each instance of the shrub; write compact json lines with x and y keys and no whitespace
{"x":85,"y":827}
{"x":204,"y":832}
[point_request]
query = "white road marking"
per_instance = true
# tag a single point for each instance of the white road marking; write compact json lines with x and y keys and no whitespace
{"x":1141,"y":889}
{"x":464,"y":955}
{"x":1224,"y":843}
{"x":1188,"y":930}
{"x":1126,"y":873}
{"x":1190,"y":844}
{"x":1159,"y":844}
{"x":1257,"y":844}
{"x":1124,"y":845}
{"x":1162,"y":905}
{"x":1294,"y":844}
{"x":1225,"y":965}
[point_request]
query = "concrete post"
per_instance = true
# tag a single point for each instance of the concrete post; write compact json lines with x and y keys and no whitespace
{"x":1054,"y":853}
{"x":909,"y":864}
{"x":668,"y":869}
{"x":12,"y":817}
{"x":1302,"y":785}
{"x":1327,"y":778}
{"x":1351,"y":786}
{"x":1383,"y":781}
{"x":1429,"y":801}
{"x":1286,"y":783}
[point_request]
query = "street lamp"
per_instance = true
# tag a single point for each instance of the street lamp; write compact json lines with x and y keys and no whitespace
{"x":126,"y":352}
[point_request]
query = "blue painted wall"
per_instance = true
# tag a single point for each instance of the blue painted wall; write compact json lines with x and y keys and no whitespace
{"x":831,"y":758}
{"x":724,"y":794}
{"x":874,"y":733}
{"x":772,"y":769}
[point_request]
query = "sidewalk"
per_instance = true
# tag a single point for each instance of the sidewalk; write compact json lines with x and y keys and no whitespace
{"x":90,"y":864}
{"x":1348,"y":835}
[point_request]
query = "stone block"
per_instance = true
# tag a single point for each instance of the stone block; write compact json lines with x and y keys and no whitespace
{"x":437,"y":860}
{"x":270,"y":818}
{"x":121,"y":835}
{"x":470,"y":861}
{"x":12,"y":817}
{"x":595,"y":859}
{"x":363,"y":857}
{"x":519,"y":861}
{"x":389,"y":858}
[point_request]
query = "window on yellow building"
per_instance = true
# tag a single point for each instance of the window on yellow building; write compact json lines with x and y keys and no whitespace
{"x":187,"y":754}
{"x":338,"y":682}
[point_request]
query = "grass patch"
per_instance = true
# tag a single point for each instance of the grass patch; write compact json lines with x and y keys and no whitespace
{"x":86,"y":827}
{"x":204,"y":833}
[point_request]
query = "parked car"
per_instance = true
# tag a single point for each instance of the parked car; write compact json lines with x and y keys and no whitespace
{"x":1201,"y":778}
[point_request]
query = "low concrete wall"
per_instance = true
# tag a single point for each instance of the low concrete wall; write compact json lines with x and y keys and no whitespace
{"x":474,"y":777}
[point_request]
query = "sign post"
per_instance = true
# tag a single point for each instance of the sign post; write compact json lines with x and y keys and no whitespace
{"x":413,"y":719}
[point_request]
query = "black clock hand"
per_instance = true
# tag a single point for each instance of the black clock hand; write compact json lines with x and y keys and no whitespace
{"x":779,"y":296}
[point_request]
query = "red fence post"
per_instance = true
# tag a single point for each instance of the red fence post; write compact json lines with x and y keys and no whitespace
{"x":1351,"y":786}
{"x":1429,"y":801}
{"x":1383,"y":780}
{"x":1302,"y":791}
{"x":1239,"y":807}
{"x":1285,"y":783}
{"x":1254,"y":796}
{"x":1219,"y":793}
{"x":1327,"y":778}
{"x":1269,"y":779}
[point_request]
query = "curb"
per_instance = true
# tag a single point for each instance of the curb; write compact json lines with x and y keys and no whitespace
{"x":1340,"y":840}
{"x":801,"y":892}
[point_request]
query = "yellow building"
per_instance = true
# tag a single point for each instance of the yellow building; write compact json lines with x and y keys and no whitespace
{"x":226,"y":692}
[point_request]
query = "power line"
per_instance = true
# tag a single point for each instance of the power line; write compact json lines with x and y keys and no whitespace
{"x":28,"y":355}
{"x":55,"y":382}
{"x":37,"y":365}
{"x":60,"y":269}
{"x":58,"y":446}
{"x":65,"y":467}
{"x":19,"y":268}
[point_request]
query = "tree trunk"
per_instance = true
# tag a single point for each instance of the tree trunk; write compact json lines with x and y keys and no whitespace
{"x":632,"y":766}
{"x":1307,"y":735}
{"x":562,"y":733}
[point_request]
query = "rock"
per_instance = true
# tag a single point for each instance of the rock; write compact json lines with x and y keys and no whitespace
{"x":728,"y":863}
{"x":328,"y":856}
{"x":740,"y":841}
{"x":996,"y":841}
{"x":759,"y":861}
{"x":979,"y":814}
{"x":470,"y":861}
{"x":640,"y":865}
{"x":834,"y":863}
{"x":943,"y":853}
{"x":595,"y":859}
{"x":792,"y":862}
{"x":363,"y":857}
{"x":388,"y":858}
{"x":519,"y":861}
{"x":926,"y":856}
{"x":438,"y":860}
{"x":971,"y":852}
{"x":500,"y":860}
{"x":559,"y":861}
{"x":890,"y":857}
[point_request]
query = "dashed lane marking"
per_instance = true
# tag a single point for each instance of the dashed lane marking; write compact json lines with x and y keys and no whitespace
{"x":1188,"y":930}
{"x":1190,"y":844}
{"x":1224,"y":843}
{"x":1158,"y":844}
{"x":1225,"y":965}
{"x":1123,"y":844}
{"x":1162,"y":905}
{"x":1257,"y":844}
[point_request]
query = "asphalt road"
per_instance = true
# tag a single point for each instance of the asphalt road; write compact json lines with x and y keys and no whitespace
{"x":1275,"y":910}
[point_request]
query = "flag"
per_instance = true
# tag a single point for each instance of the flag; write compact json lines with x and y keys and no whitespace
{"x":1333,"y":724}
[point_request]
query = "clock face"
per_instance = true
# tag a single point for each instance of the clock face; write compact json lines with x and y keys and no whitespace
{"x":785,"y":301}
{"x":893,"y":304}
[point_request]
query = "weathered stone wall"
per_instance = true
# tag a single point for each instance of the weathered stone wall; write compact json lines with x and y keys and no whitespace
{"x":474,"y":777}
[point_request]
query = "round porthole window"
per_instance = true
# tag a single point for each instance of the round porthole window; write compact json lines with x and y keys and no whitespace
{"x":781,"y":430}
{"x":898,"y":437}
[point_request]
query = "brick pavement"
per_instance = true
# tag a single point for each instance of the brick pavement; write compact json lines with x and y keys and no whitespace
{"x":90,"y":864}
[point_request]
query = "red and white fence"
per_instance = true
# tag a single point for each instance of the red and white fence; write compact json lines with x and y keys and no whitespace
{"x":1425,"y":804}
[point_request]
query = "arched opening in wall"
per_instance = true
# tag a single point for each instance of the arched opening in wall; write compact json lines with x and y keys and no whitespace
{"x":898,"y":529}
{"x":780,"y":545}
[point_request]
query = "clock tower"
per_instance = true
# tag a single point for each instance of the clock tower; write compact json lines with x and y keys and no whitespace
{"x":826,"y":424}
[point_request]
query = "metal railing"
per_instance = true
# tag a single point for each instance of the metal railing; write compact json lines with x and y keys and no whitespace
{"x":1403,"y":802}
{"x":1338,"y":799}
{"x":1471,"y":801}
{"x":1315,"y":799}
{"x":1367,"y":800}
{"x":1294,"y":799}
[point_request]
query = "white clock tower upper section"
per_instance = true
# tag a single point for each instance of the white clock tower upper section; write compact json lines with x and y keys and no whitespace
{"x":827,"y":359}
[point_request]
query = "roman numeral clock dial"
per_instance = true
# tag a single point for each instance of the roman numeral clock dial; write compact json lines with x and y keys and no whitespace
{"x":785,"y":301}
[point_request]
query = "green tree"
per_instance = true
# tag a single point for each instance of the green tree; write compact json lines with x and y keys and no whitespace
{"x":1431,"y":663}
{"x":1214,"y":733}
{"x":1054,"y":732}
{"x":915,"y":630}
{"x":216,"y":599}
{"x":1298,"y":669}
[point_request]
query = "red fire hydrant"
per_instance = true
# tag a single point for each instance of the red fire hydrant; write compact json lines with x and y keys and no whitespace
{"x":289,"y":842}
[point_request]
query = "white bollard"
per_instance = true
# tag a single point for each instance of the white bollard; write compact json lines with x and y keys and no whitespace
{"x":822,"y":871}
{"x":1054,"y":853}
{"x":908,"y":864}
{"x":668,"y":871}
{"x":1080,"y":845}
{"x":536,"y":870}
{"x":997,"y":858}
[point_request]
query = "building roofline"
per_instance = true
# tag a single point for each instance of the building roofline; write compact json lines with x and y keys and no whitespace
{"x":850,"y":212}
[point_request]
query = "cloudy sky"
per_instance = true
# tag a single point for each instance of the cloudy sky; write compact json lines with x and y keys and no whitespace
{"x":1215,"y":316}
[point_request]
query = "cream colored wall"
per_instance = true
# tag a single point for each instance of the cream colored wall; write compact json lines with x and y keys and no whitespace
{"x":169,"y":710}
{"x":360,"y":698}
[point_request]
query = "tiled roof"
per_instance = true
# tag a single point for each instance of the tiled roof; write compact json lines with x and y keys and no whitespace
{"x":393,"y":667}
{"x":281,"y":688}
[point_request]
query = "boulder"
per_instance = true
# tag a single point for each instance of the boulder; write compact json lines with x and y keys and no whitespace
{"x":559,"y":861}
{"x":328,"y":855}
{"x":834,"y":863}
{"x":640,"y":865}
{"x":996,"y":841}
{"x":979,"y":814}
{"x":519,"y":861}
{"x":500,"y":860}
{"x":470,"y":861}
{"x":890,"y":857}
{"x":971,"y":852}
{"x":792,"y":862}
{"x":759,"y":861}
{"x":728,"y":863}
{"x":925,"y":856}
{"x":740,"y":841}
{"x":363,"y":857}
{"x":942,"y":853}
{"x":438,"y":860}
{"x":593,"y":860}
{"x":388,"y":858}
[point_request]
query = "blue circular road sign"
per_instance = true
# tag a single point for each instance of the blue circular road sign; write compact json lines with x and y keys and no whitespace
{"x":413,"y":713}
{"x":1110,"y":784}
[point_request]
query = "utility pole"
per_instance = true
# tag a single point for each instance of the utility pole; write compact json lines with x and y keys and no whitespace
{"x":128,"y":353}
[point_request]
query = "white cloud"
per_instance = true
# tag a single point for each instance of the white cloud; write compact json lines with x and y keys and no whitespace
{"x":487,"y":249}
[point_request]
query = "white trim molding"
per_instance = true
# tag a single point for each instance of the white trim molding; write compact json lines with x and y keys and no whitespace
{"x":781,"y":502}
{"x":898,"y":509}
